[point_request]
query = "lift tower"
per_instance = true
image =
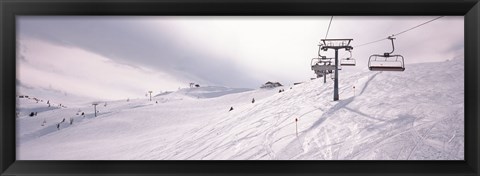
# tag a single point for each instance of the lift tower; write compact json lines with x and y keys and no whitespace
{"x":336,"y":44}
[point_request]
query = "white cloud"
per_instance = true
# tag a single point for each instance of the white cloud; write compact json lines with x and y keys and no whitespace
{"x":84,"y":73}
{"x":165,"y":52}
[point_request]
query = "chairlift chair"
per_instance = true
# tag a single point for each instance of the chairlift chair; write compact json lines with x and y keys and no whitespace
{"x":387,"y":61}
{"x":321,"y":67}
{"x":349,"y":61}
{"x":321,"y":59}
{"x":314,"y":61}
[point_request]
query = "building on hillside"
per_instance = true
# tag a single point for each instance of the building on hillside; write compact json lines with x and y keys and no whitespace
{"x":271,"y":85}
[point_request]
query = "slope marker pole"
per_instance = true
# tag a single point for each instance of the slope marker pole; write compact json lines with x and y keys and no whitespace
{"x":296,"y":127}
{"x":150,"y":92}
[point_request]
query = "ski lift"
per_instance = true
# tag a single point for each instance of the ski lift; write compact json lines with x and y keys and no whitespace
{"x":322,"y":66}
{"x":349,"y":61}
{"x":321,"y":59}
{"x":386,"y":62}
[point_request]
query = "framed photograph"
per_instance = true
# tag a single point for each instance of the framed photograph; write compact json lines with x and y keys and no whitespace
{"x":239,"y":87}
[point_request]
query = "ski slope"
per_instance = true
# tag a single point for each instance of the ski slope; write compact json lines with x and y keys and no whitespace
{"x":417,"y":114}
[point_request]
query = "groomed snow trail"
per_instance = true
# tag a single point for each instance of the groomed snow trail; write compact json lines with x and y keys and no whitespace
{"x":417,"y":114}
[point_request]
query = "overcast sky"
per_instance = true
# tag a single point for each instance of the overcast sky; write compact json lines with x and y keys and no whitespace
{"x":118,"y":57}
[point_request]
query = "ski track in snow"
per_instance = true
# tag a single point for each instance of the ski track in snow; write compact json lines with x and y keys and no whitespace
{"x":392,"y":116}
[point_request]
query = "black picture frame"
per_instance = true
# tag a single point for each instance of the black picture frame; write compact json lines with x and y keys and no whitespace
{"x":470,"y":9}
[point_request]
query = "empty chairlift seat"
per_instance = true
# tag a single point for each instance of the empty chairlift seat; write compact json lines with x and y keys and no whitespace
{"x":386,"y":63}
{"x":349,"y":61}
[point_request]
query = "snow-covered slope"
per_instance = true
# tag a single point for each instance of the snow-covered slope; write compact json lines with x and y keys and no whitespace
{"x":417,"y":115}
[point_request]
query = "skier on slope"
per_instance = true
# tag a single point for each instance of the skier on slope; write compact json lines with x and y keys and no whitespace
{"x":231,"y":109}
{"x":253,"y":100}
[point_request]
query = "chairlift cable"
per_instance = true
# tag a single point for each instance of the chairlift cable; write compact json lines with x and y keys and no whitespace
{"x":417,"y":26}
{"x":328,"y":27}
{"x":368,"y":43}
